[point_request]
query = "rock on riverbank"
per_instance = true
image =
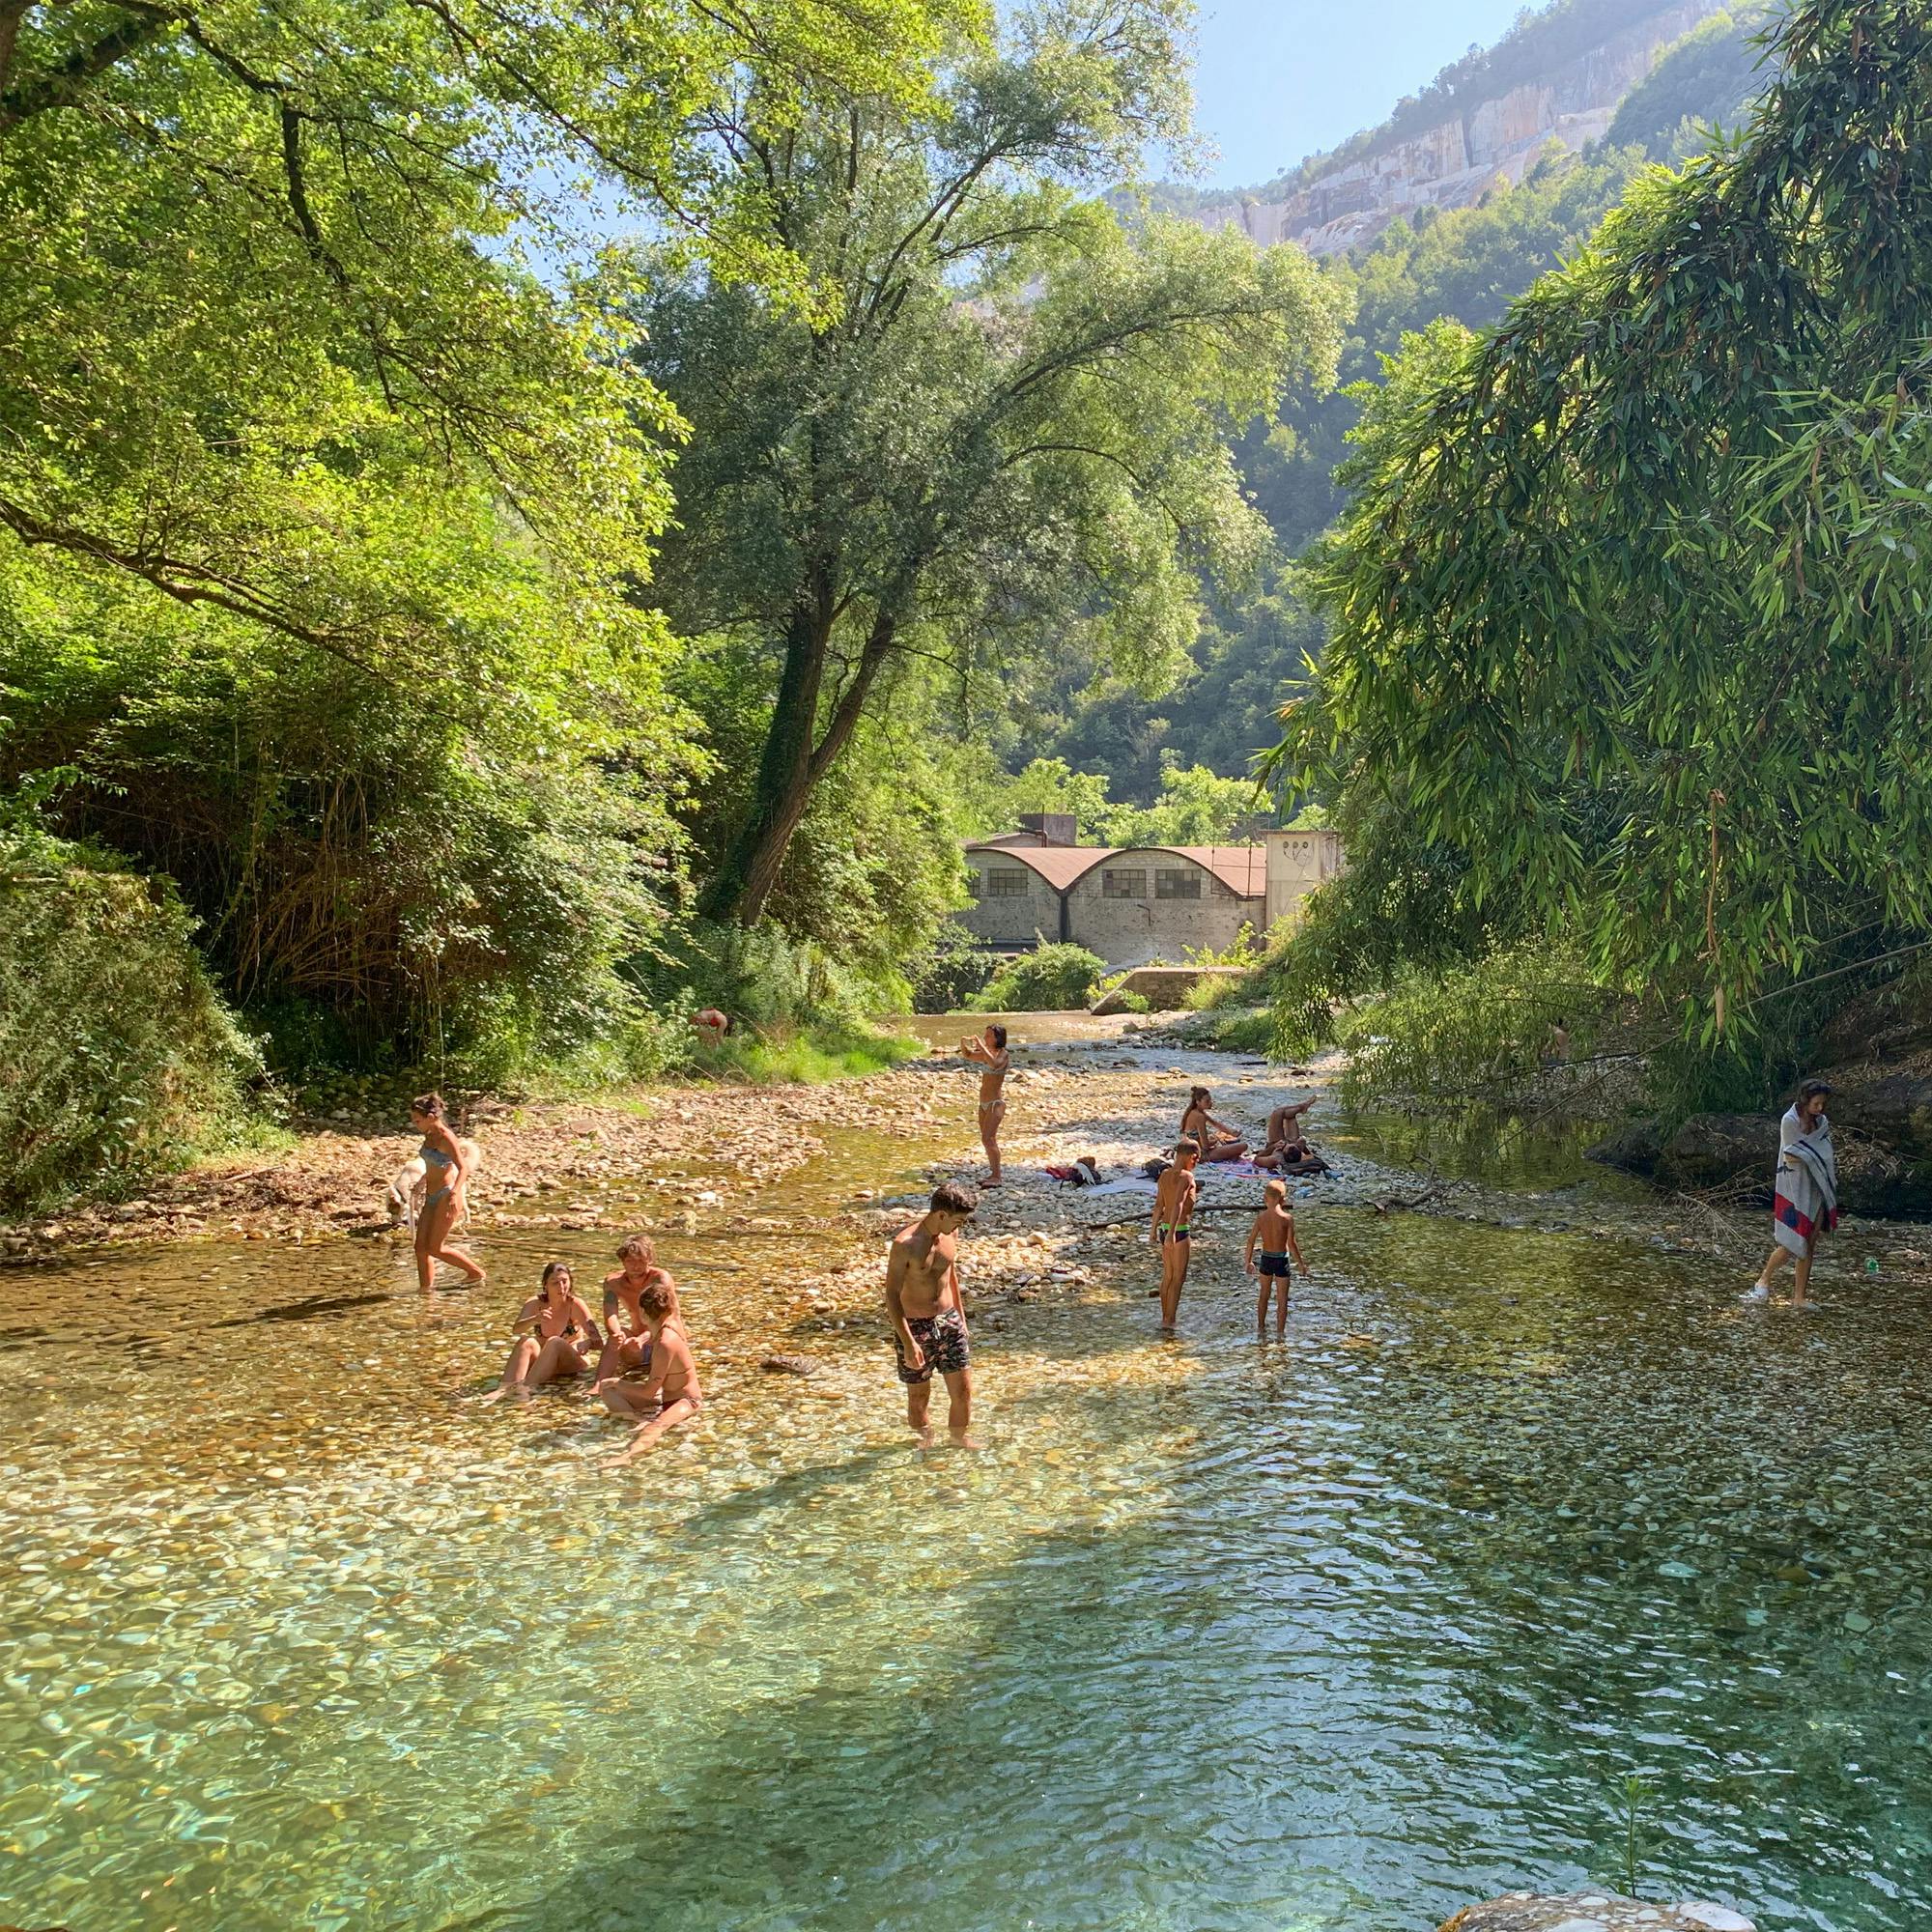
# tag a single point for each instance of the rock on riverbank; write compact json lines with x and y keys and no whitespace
{"x":1592,"y":1912}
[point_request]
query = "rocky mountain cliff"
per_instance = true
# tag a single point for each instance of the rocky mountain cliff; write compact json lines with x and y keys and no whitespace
{"x":1454,"y":162}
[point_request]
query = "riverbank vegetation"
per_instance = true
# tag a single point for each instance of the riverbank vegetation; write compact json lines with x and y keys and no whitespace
{"x":478,"y":640}
{"x":1628,"y":643}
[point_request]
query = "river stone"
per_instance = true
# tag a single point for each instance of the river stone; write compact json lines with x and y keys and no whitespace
{"x":789,"y":1365}
{"x":1592,"y":1912}
{"x":1637,"y":1150}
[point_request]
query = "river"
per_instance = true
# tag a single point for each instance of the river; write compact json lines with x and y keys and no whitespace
{"x":1216,"y":1633}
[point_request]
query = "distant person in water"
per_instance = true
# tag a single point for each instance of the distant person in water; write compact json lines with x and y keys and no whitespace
{"x":628,"y":1349}
{"x":1805,"y":1193}
{"x":446,"y":1164}
{"x":988,"y":1052}
{"x":555,"y":1338}
{"x":1214,"y":1139}
{"x":928,"y":1315}
{"x":1271,"y":1243}
{"x":1172,"y":1232}
{"x":669,"y":1395}
{"x":1556,"y":1047}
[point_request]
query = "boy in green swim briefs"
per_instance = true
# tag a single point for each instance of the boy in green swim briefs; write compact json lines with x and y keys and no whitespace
{"x":1171,"y":1231}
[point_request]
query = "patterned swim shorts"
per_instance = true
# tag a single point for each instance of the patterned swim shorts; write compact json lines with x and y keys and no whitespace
{"x":942,"y":1341}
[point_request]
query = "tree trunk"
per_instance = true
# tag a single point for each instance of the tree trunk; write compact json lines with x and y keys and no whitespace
{"x":791,"y":765}
{"x":749,"y":867}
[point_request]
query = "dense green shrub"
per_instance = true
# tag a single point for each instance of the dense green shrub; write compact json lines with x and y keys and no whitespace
{"x":385,"y":874}
{"x":1051,"y":979}
{"x":949,"y":972}
{"x":1475,"y":1029}
{"x":116,"y":1058}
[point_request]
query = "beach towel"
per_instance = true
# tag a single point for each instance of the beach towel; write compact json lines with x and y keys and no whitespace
{"x":1082,"y":1173}
{"x":1805,"y":1187}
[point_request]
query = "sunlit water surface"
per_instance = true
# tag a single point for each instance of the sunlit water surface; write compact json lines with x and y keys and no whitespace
{"x":1216,"y":1634}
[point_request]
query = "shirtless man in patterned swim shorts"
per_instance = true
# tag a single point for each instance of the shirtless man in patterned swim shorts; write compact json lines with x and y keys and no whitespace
{"x":929,"y":1318}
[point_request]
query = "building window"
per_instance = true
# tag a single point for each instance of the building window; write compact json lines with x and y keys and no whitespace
{"x":1004,"y":882}
{"x":1177,"y":885}
{"x":1123,"y":885}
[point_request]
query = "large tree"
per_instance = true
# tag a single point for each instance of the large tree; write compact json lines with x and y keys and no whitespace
{"x":260,"y":296}
{"x":1630,"y":609}
{"x":1007,"y":425}
{"x":325,"y":483}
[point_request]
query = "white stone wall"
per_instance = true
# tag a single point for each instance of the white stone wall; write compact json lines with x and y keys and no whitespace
{"x":1298,"y":862}
{"x":1010,"y":921}
{"x":1131,"y":931}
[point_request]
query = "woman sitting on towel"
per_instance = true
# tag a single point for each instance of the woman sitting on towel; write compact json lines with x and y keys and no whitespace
{"x":1804,"y":1192}
{"x":1216,"y":1140}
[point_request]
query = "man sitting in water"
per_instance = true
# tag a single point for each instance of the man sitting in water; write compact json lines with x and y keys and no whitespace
{"x":989,"y":1052}
{"x":636,"y":1264}
{"x":670,"y":1395}
{"x":929,"y":1317}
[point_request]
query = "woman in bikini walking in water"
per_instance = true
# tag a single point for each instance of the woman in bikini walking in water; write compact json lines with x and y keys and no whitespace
{"x":446,"y":1174}
{"x":990,"y":1054}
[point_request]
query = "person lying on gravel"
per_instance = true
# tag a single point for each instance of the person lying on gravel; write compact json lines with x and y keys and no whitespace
{"x":1215,"y":1138}
{"x":1282,"y":1141}
{"x":623,"y":1354}
{"x":555,"y":1330}
{"x":669,"y":1395}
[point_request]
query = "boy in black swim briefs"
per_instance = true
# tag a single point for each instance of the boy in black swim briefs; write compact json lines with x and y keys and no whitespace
{"x":1270,"y":1242}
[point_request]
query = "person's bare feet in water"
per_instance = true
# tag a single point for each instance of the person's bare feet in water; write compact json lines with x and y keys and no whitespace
{"x":960,"y":1439}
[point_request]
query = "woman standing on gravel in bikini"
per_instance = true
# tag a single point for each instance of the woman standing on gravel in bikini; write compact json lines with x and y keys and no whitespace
{"x":989,"y":1053}
{"x":446,"y":1174}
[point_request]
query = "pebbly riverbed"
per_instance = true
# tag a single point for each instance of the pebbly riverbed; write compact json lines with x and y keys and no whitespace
{"x":1343,"y":1633}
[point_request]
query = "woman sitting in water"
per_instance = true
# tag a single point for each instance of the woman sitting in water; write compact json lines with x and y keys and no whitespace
{"x":1216,"y":1140}
{"x":445,"y":1175}
{"x":560,"y":1331}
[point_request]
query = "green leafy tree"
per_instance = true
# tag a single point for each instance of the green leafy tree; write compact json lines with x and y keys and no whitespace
{"x":1195,"y":807}
{"x":1010,"y":429}
{"x":260,"y":292}
{"x":323,"y":514}
{"x":1630,"y":604}
{"x":1052,"y":785}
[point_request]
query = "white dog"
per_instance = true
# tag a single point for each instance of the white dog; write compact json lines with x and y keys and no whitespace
{"x":404,"y":1196}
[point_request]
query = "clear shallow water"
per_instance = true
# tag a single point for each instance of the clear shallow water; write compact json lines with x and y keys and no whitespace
{"x":1338,"y":1635}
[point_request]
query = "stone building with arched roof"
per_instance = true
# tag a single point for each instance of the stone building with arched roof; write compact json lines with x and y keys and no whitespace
{"x":1132,"y":905}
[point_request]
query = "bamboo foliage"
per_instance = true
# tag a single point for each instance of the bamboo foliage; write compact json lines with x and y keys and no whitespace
{"x":1630,"y":605}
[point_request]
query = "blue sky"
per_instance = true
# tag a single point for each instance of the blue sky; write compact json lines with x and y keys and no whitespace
{"x":1278,"y":79}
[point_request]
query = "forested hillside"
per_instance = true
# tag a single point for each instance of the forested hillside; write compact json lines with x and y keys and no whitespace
{"x":1463,"y":264}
